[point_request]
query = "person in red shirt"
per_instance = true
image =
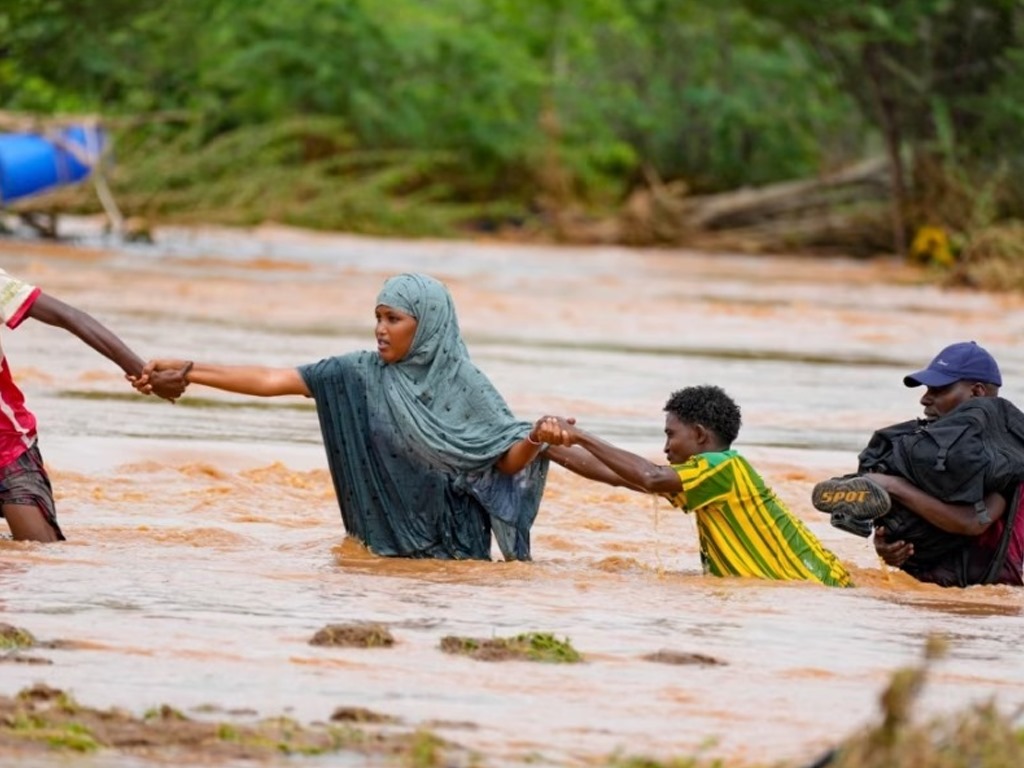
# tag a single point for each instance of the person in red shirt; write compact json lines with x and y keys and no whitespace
{"x":26,"y":496}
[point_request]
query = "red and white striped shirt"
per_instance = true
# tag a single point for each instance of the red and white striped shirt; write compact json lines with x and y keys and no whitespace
{"x":17,"y":424}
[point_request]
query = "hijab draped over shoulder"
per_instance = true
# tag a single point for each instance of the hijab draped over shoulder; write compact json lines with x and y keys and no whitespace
{"x":412,"y":445}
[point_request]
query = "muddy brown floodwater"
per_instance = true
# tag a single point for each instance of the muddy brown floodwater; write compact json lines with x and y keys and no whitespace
{"x":205,"y":546}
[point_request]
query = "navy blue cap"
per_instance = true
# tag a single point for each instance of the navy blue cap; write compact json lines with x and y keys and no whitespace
{"x":963,"y":361}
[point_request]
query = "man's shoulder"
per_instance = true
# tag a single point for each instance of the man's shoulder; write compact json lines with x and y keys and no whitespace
{"x":987,"y":405}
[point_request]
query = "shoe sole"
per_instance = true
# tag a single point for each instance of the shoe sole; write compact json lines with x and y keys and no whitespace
{"x":862,"y":528}
{"x":855,"y":498}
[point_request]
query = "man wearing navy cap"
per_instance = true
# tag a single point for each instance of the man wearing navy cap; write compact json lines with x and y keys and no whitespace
{"x":959,"y":372}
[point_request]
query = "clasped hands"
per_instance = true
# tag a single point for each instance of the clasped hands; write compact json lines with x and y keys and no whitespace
{"x":164,"y":378}
{"x":555,"y":430}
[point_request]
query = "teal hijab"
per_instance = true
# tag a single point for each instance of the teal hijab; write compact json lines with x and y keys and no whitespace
{"x":448,"y":409}
{"x":412,"y":445}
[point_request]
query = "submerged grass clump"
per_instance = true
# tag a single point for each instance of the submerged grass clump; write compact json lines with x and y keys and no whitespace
{"x":14,"y":638}
{"x":530,"y":646}
{"x":75,"y":737}
{"x":46,"y":718}
{"x":43,"y":715}
{"x":354,"y":636}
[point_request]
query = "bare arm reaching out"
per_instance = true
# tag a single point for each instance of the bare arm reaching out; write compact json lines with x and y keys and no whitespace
{"x":581,"y":462}
{"x":627,"y":468}
{"x":47,"y":309}
{"x":257,"y":380}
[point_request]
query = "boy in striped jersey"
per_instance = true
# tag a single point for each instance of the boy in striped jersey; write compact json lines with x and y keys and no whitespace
{"x":26,"y":497}
{"x":744,"y":529}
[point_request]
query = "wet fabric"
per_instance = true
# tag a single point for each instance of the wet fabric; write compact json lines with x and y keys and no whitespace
{"x":744,"y":529}
{"x":994,"y":557}
{"x":997,"y":557}
{"x":24,"y":482}
{"x":412,"y":445}
{"x":17,"y":423}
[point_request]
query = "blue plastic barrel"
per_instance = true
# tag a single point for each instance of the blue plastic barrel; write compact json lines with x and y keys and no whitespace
{"x":31,"y":164}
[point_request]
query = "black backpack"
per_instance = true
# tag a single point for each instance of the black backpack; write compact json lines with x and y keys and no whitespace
{"x":974,"y":450}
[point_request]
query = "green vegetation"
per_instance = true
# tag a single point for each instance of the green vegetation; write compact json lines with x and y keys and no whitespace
{"x":359,"y":635}
{"x":48,"y":717}
{"x":532,"y":646}
{"x":452,"y":116}
{"x":993,"y":260}
{"x":425,"y":750}
{"x":14,"y":638}
{"x":30,"y":722}
{"x":164,"y":712}
{"x":978,"y":736}
{"x":74,"y":737}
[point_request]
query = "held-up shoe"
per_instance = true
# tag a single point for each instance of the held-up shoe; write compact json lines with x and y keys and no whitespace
{"x":856,"y":498}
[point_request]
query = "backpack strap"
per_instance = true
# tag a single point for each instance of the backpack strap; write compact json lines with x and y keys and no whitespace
{"x":1004,"y":541}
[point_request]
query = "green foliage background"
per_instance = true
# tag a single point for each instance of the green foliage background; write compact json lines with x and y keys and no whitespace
{"x":424,"y":116}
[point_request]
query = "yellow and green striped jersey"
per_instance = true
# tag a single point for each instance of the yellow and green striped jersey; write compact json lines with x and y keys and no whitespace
{"x":744,"y":529}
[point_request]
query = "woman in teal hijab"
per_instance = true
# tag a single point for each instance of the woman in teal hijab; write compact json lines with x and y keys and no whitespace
{"x":426,"y":457}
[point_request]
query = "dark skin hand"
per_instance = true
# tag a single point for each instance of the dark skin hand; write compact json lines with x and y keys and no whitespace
{"x":46,"y":309}
{"x":573,"y":458}
{"x":600,"y":460}
{"x":894,"y":553}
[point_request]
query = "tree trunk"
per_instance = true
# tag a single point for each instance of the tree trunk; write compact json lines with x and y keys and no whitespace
{"x":887,"y":116}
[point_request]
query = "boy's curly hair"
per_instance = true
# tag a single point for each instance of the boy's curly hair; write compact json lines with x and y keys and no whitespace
{"x":708,"y":406}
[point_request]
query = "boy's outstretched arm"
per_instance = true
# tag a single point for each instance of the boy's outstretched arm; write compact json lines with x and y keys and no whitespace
{"x":243,"y":379}
{"x":47,"y":309}
{"x":579,"y":461}
{"x":634,"y":471}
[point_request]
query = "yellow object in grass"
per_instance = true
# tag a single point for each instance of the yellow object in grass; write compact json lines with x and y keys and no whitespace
{"x":931,"y":246}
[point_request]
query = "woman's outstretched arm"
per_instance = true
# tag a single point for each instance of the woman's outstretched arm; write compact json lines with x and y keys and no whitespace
{"x":631,"y":470}
{"x":573,"y":458}
{"x":257,"y":380}
{"x":519,"y":455}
